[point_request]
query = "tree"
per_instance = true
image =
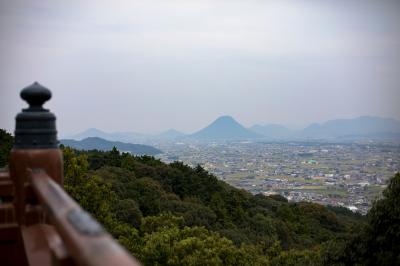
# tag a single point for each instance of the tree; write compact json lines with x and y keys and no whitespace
{"x":6,"y":144}
{"x":167,"y":243}
{"x":297,"y":258}
{"x":378,"y":242}
{"x":113,"y":157}
{"x":127,"y":211}
{"x":152,"y":224}
{"x":94,"y":195}
{"x":383,"y":232}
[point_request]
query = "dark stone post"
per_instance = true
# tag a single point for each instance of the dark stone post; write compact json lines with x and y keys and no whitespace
{"x":35,"y":146}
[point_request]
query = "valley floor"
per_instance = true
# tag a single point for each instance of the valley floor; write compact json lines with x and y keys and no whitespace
{"x":340,"y":174}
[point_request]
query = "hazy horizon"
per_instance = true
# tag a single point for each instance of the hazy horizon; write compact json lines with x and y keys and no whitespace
{"x":203,"y":126}
{"x":154,"y":65}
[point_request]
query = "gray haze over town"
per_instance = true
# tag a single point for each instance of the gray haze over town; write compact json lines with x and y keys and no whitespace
{"x":167,"y":69}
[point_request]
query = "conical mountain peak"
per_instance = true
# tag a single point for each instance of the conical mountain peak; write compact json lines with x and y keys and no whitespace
{"x":224,"y":128}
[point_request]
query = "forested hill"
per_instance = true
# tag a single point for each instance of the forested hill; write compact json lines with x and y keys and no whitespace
{"x":95,"y":143}
{"x":171,"y":214}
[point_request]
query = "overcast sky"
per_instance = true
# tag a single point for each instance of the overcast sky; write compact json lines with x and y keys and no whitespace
{"x":148,"y":66}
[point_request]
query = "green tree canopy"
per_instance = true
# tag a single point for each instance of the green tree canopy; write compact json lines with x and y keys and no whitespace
{"x":6,"y":144}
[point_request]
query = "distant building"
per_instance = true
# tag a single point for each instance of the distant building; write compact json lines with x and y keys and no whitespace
{"x":352,"y":208}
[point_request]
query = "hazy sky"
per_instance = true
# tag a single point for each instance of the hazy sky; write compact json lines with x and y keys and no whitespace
{"x":148,"y":66}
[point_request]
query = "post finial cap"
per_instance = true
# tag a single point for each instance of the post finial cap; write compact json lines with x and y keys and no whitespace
{"x":35,"y":127}
{"x":36,"y":95}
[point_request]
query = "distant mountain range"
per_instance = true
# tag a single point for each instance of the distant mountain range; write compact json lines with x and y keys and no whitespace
{"x":170,"y":134}
{"x":97,"y":143}
{"x":362,"y":126}
{"x":227,"y":128}
{"x":365,"y":127}
{"x":224,"y":128}
{"x":116,"y":136}
{"x":130,"y":137}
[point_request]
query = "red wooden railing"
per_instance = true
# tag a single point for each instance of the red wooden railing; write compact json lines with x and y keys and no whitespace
{"x":40,"y":224}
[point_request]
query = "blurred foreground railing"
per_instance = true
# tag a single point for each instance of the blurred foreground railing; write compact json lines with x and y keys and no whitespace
{"x":40,"y":224}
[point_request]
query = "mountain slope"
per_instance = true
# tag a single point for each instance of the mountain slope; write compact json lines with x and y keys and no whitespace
{"x":91,"y":132}
{"x":224,"y":128}
{"x":95,"y":143}
{"x":362,"y":126}
{"x":115,"y":136}
{"x":169,"y":135}
{"x":273,"y":131}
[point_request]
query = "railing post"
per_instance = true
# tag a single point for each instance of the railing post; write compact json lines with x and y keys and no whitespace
{"x":35,"y":146}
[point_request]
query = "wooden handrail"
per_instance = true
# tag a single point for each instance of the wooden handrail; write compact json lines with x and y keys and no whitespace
{"x":84,"y":238}
{"x":40,"y":224}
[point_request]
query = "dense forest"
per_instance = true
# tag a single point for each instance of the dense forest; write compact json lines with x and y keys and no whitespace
{"x":172,"y":214}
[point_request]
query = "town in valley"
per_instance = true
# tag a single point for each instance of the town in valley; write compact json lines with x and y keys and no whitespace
{"x":349,"y":174}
